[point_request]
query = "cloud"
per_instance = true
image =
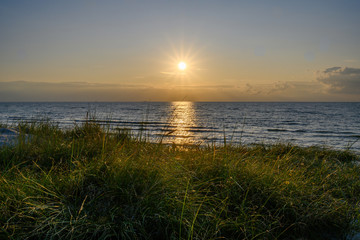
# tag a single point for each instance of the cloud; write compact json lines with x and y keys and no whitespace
{"x":332,"y":69}
{"x":253,"y":90}
{"x":279,"y":87}
{"x":341,"y":80}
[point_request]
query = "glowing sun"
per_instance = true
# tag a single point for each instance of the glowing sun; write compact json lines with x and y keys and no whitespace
{"x":182,"y":66}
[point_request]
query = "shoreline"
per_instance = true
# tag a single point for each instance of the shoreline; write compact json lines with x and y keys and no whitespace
{"x":9,"y":136}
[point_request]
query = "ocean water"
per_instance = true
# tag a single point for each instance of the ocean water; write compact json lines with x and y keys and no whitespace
{"x":336,"y":125}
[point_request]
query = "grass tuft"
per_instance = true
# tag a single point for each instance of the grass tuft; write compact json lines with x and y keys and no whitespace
{"x":90,"y":183}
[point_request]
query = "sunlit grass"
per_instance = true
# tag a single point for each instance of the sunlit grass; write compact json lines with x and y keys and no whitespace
{"x":88,"y":183}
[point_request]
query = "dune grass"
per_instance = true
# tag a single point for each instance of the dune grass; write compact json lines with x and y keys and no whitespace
{"x":85,"y":183}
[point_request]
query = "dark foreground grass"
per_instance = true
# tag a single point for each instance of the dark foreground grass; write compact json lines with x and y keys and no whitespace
{"x":85,"y":184}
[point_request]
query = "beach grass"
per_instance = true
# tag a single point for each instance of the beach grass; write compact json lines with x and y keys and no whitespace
{"x":88,"y":183}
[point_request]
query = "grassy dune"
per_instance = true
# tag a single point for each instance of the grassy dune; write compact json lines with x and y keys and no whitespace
{"x":85,"y":184}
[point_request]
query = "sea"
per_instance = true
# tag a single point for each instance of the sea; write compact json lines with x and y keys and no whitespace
{"x":331,"y":125}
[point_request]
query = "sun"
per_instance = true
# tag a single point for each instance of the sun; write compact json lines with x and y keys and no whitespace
{"x":182,"y":63}
{"x":182,"y":66}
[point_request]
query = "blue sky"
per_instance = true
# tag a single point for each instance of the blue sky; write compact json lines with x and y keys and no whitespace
{"x":129,"y":50}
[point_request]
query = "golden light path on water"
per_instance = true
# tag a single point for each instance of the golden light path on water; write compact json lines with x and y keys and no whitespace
{"x":183,"y":118}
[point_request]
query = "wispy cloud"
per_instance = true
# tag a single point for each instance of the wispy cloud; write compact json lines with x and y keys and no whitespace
{"x":279,"y":87}
{"x":332,"y":69}
{"x":253,"y":90}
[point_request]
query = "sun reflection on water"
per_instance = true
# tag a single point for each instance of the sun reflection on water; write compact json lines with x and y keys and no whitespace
{"x":182,"y":122}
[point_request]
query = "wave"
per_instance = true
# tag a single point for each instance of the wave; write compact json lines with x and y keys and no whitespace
{"x":353,"y":136}
{"x":324,"y":131}
{"x":292,"y":123}
{"x":277,"y":130}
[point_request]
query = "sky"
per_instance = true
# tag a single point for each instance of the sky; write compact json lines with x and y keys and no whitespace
{"x":234,"y":50}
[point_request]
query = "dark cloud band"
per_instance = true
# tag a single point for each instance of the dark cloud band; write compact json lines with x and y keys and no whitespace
{"x":341,"y":80}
